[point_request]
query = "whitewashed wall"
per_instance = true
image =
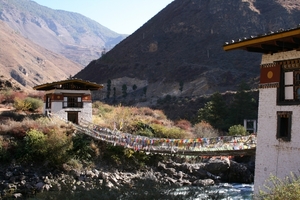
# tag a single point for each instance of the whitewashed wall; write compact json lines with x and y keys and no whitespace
{"x":275,"y":157}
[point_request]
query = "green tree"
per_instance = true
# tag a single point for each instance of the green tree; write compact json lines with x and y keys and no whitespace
{"x":124,"y":90}
{"x":181,"y":86}
{"x":214,"y":112}
{"x":145,"y":90}
{"x":115,"y":95}
{"x":237,"y":130}
{"x":108,"y":88}
{"x":244,"y":106}
{"x":134,"y":87}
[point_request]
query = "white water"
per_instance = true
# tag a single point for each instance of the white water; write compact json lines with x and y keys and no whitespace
{"x":223,"y":191}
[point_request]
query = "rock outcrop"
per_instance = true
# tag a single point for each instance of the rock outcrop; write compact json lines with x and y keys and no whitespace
{"x":20,"y":181}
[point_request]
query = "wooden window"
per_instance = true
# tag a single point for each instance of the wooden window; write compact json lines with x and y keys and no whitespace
{"x":289,"y":90}
{"x":284,"y":124}
{"x":72,"y":102}
{"x":48,"y":101}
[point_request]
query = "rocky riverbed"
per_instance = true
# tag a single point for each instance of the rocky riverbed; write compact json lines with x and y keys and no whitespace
{"x":22,"y":181}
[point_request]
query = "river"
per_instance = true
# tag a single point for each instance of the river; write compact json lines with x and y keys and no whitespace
{"x":223,"y":191}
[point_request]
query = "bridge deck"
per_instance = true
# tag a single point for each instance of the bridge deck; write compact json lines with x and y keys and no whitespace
{"x":242,"y":152}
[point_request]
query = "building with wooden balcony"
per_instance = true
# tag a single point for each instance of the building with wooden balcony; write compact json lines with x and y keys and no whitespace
{"x":69,"y":99}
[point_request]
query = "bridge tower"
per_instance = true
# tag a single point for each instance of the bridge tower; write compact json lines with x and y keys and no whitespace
{"x":278,"y":132}
{"x":69,"y":99}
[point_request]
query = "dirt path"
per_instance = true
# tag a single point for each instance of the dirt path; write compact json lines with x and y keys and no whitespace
{"x":3,"y":108}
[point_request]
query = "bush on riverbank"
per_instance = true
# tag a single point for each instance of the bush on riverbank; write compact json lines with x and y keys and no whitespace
{"x":33,"y":138}
{"x":51,"y":142}
{"x":288,"y":188}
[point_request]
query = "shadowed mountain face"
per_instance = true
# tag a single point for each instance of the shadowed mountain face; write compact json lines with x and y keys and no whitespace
{"x":76,"y":37}
{"x":179,"y":51}
{"x":29,"y":64}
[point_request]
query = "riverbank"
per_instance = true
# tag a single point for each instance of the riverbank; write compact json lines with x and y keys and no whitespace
{"x":20,"y":181}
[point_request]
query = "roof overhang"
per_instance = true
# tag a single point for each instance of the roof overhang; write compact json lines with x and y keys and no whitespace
{"x":74,"y":84}
{"x":280,"y":41}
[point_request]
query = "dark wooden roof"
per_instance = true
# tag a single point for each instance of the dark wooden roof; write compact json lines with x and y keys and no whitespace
{"x":268,"y":43}
{"x":69,"y":84}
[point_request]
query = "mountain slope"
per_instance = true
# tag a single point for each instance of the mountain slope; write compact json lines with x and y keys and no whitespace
{"x":29,"y":64}
{"x":179,"y":51}
{"x":76,"y":37}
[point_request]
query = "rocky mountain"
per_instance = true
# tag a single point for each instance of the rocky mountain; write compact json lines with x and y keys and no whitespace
{"x":178,"y":53}
{"x":70,"y":34}
{"x":28,"y":64}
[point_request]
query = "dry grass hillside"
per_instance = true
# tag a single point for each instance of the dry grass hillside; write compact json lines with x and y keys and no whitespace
{"x":67,"y":33}
{"x":29,"y":64}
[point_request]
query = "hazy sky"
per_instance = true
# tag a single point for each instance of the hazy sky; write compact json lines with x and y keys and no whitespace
{"x":121,"y":16}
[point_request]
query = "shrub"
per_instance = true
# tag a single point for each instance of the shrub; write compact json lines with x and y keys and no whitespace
{"x":143,"y":129}
{"x":82,"y":147}
{"x":36,"y":140}
{"x":120,"y":118}
{"x":159,"y":114}
{"x":138,"y":121}
{"x":7,"y":96}
{"x":28,"y":104}
{"x":58,"y":146}
{"x":101,"y":109}
{"x":288,"y":188}
{"x":34,"y":103}
{"x":205,"y":130}
{"x":161,"y":131}
{"x":237,"y":130}
{"x":183,"y":124}
{"x":72,"y":164}
{"x":35,"y":146}
{"x":14,"y":128}
{"x":146,"y":111}
{"x":21,"y":104}
{"x":2,"y":151}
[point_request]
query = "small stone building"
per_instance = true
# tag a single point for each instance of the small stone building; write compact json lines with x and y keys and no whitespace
{"x":69,"y":99}
{"x":278,"y":134}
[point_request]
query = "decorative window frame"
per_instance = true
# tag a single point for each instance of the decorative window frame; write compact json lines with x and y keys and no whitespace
{"x":288,"y":92}
{"x":48,"y":100}
{"x":72,"y":101}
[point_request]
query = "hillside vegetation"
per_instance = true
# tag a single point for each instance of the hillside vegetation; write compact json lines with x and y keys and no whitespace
{"x":27,"y":136}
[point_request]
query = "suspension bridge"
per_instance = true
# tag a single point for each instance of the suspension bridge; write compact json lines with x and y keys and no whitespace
{"x":217,"y":146}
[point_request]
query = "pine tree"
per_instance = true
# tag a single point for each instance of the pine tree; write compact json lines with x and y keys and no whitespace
{"x":215,"y":112}
{"x":108,"y":88}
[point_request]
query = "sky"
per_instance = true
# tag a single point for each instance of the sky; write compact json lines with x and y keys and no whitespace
{"x":121,"y":16}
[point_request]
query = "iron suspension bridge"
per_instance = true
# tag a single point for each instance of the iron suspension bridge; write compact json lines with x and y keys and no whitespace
{"x":217,"y":146}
